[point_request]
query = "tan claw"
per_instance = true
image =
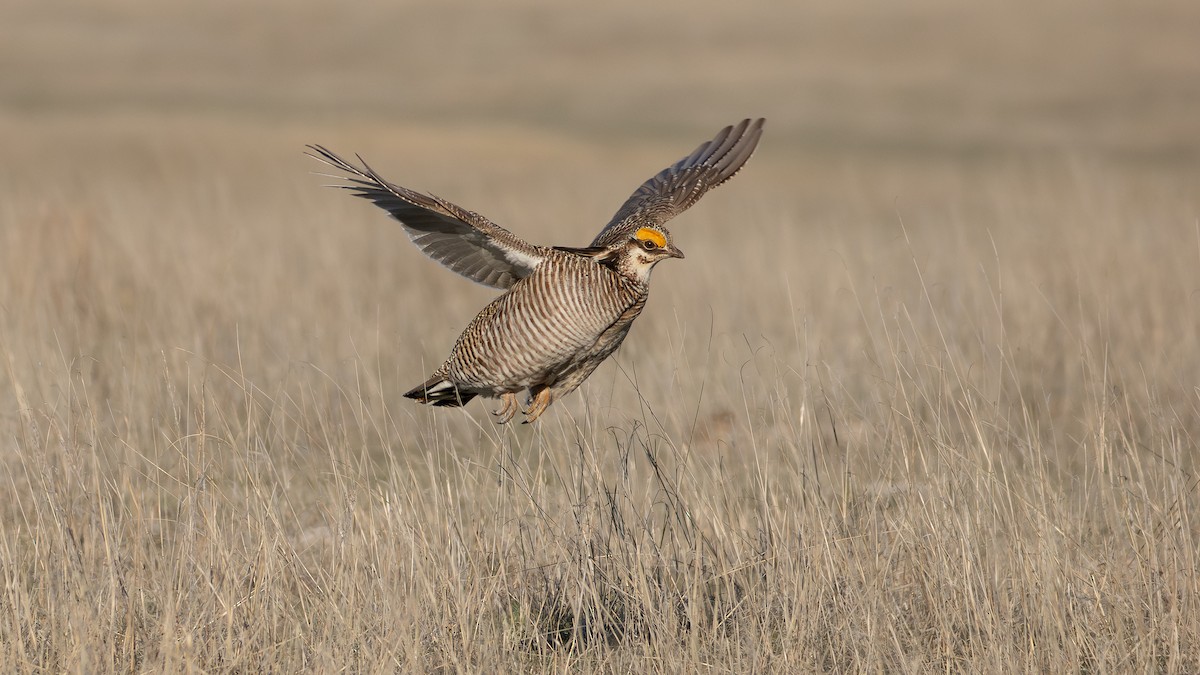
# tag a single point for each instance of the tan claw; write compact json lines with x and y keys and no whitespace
{"x":540,"y":402}
{"x":508,"y":408}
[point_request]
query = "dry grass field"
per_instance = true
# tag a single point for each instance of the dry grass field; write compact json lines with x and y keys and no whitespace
{"x":924,"y":396}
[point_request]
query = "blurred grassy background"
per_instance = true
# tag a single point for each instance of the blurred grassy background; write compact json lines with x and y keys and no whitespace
{"x":926,"y":77}
{"x":923,"y":394}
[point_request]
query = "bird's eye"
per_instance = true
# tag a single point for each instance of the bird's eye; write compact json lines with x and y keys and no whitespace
{"x":648,"y":245}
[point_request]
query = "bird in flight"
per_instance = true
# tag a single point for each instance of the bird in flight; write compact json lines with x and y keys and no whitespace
{"x":564,"y":310}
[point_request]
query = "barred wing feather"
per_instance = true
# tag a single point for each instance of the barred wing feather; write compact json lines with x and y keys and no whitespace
{"x":462,"y":240}
{"x":681,"y":185}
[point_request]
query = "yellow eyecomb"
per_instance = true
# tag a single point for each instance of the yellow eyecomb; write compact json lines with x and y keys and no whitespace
{"x":651,"y":234}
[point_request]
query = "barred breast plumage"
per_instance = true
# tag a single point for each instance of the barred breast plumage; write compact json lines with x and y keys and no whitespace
{"x":565,"y":310}
{"x":542,"y":326}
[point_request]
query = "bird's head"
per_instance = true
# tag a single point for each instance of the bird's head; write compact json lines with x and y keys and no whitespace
{"x":645,"y":248}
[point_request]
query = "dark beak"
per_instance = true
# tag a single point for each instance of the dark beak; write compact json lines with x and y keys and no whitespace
{"x":674,"y":252}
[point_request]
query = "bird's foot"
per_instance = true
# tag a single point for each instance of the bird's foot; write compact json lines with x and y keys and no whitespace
{"x":540,"y":402}
{"x":508,"y":408}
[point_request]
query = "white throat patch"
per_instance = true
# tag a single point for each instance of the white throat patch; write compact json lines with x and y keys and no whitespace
{"x":640,"y":264}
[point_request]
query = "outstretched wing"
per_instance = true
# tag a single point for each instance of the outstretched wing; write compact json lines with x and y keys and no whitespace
{"x":462,"y":240}
{"x":680,"y":185}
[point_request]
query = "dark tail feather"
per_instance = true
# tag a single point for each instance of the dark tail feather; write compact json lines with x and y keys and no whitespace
{"x":440,"y":391}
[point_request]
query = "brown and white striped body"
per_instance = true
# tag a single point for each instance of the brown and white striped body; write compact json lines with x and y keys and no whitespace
{"x":550,"y":330}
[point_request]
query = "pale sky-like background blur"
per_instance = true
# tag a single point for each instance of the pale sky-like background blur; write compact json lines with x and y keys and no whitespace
{"x":926,"y":78}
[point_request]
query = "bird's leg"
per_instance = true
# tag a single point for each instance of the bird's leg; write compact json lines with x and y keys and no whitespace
{"x":540,"y":402}
{"x":508,"y":408}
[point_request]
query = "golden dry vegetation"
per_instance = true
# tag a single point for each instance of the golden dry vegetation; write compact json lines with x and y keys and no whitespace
{"x":924,"y":396}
